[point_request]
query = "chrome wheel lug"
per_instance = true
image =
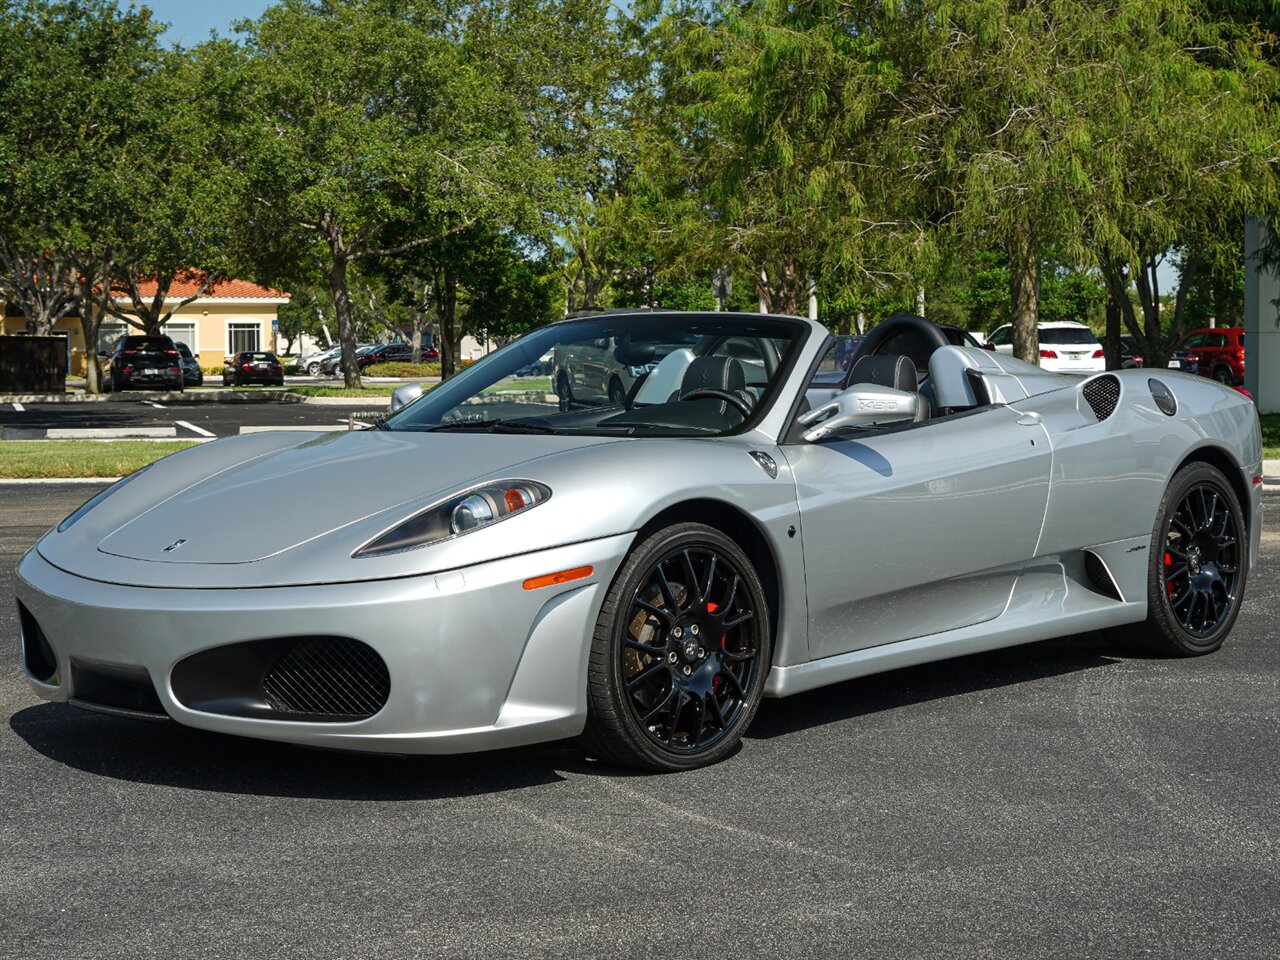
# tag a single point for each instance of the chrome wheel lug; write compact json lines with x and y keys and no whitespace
{"x":678,"y":632}
{"x":694,"y":629}
{"x":687,"y":670}
{"x":702,"y":654}
{"x":672,"y":657}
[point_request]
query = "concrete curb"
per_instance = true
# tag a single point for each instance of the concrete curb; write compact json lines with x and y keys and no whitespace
{"x":26,"y":481}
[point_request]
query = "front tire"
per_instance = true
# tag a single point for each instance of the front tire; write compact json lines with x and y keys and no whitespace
{"x":680,"y":653}
{"x":1198,"y":566}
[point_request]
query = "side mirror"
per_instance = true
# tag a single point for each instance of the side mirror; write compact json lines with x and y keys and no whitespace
{"x":403,"y":396}
{"x":861,"y":405}
{"x":989,"y":346}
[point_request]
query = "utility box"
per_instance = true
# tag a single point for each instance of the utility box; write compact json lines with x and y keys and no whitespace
{"x":33,"y":364}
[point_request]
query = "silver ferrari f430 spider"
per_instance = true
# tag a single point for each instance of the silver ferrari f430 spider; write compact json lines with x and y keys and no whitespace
{"x":633,"y":527}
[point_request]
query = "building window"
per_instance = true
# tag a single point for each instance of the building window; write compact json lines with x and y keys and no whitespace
{"x":108,"y":334}
{"x":182,"y":333}
{"x":243,"y":337}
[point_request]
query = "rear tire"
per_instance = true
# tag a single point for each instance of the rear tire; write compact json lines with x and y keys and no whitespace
{"x":1197,"y":569}
{"x":1223,"y":375}
{"x":680,"y":654}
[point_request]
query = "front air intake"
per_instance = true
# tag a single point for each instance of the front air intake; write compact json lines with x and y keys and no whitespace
{"x":37,"y":654}
{"x":1102,"y":394}
{"x":328,"y":677}
{"x":311,"y":679}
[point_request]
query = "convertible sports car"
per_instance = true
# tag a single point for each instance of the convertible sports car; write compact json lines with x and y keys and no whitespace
{"x":499,"y":563}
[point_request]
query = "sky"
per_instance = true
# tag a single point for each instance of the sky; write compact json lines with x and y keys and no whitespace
{"x":191,"y":20}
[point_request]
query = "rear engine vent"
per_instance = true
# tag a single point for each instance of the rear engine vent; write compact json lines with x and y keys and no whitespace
{"x":37,"y":654}
{"x":331,"y":677}
{"x":1102,"y":394}
{"x":1098,"y":576}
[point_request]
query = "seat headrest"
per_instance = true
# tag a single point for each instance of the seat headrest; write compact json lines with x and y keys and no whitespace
{"x":890,"y":370}
{"x":714,"y":373}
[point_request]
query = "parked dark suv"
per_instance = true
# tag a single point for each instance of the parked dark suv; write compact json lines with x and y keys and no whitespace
{"x":145,"y":362}
{"x":253,"y":366}
{"x":192,"y":375}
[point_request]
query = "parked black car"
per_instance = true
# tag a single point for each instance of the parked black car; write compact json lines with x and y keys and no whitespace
{"x":192,"y":375}
{"x":256,"y":366}
{"x":385,"y":353}
{"x":140,"y":361}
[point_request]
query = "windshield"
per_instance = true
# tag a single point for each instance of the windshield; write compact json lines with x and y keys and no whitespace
{"x":634,"y":375}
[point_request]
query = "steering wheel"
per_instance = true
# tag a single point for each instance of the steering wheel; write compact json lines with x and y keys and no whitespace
{"x":927,"y":334}
{"x":707,"y":393}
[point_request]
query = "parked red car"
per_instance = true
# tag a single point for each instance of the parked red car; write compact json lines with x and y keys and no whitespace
{"x":1217,"y":352}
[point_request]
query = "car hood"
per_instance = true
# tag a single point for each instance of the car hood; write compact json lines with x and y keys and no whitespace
{"x":231,"y":504}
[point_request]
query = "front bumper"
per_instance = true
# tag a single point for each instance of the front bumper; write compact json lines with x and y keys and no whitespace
{"x":476,"y":661}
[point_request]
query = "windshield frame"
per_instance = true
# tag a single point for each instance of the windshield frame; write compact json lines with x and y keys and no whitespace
{"x":468,"y":382}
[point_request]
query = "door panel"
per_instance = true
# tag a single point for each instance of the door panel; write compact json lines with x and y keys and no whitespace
{"x":919,"y":530}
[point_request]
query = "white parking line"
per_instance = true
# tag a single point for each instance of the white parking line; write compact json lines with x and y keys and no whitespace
{"x":19,"y":407}
{"x":194,"y":429}
{"x":152,"y":403}
{"x":108,"y":433}
{"x":310,"y":427}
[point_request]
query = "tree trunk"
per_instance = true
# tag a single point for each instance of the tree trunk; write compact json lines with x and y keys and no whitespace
{"x":342,"y":308}
{"x":419,"y":315}
{"x":1024,"y":286}
{"x":449,"y":339}
{"x":1111,"y":341}
{"x":783,"y":292}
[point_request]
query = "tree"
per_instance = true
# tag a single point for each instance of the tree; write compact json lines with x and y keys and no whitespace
{"x":380,"y":127}
{"x":68,"y":80}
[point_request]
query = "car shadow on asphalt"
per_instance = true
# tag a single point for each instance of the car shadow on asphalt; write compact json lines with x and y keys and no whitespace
{"x":168,"y":754}
{"x":171,"y":755}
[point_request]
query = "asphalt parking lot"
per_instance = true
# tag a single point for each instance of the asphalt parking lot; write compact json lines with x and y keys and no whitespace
{"x":1056,"y":800}
{"x":174,"y":419}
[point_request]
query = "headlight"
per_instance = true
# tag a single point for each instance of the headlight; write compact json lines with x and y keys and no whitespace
{"x":460,"y":514}
{"x":93,"y":501}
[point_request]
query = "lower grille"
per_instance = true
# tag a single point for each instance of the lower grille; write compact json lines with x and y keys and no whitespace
{"x":328,"y":676}
{"x":116,"y":687}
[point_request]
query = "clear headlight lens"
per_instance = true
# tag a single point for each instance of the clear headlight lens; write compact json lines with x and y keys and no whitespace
{"x":96,"y":499}
{"x":472,"y":510}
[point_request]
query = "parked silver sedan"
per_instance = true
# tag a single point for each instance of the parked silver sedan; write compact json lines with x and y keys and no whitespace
{"x":499,"y":564}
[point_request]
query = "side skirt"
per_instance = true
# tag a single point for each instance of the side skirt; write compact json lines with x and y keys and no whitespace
{"x":1046,"y":603}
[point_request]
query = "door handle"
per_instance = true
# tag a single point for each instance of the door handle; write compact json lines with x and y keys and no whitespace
{"x":1029,"y":420}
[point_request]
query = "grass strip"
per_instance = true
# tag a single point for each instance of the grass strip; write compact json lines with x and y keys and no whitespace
{"x":1271,"y":436}
{"x":45,"y":459}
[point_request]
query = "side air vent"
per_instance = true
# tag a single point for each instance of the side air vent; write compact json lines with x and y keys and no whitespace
{"x":1099,"y":577}
{"x":1102,"y":394}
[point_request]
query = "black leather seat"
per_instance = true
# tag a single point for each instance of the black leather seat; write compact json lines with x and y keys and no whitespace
{"x":890,"y":370}
{"x":716,"y":373}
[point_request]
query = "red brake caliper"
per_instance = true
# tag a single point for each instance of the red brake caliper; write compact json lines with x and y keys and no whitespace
{"x":1168,"y":584}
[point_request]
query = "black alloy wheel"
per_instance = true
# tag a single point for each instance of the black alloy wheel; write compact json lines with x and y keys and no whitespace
{"x":1198,"y":566}
{"x":680,"y":653}
{"x":1223,"y":375}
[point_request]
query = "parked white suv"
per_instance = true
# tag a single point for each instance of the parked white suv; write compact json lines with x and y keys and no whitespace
{"x":1065,"y":347}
